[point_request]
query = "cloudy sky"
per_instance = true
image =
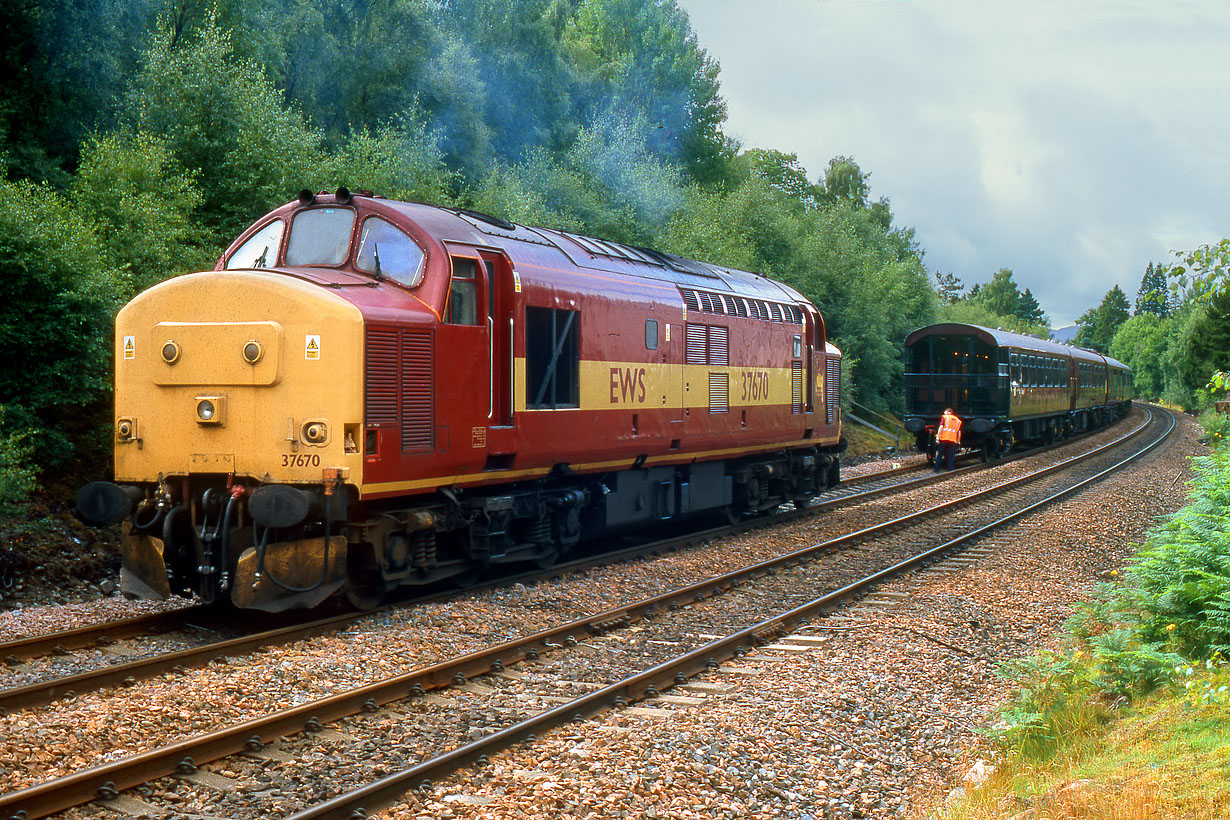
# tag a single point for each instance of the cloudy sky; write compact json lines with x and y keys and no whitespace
{"x":1073,"y":142}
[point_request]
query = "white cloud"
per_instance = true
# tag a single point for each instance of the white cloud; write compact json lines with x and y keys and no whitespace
{"x":1071,"y":142}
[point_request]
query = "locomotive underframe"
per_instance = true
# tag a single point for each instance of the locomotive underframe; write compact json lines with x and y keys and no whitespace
{"x":199,"y":537}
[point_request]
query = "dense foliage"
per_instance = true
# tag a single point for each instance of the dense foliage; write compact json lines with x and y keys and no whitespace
{"x":1170,"y":614}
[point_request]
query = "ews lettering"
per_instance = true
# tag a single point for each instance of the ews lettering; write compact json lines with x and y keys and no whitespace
{"x":627,"y":385}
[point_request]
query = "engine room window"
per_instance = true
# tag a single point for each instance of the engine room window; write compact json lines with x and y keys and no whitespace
{"x":463,"y":293}
{"x":651,"y":334}
{"x":320,"y":236}
{"x":552,"y":358}
{"x":261,"y":249}
{"x":385,"y":250}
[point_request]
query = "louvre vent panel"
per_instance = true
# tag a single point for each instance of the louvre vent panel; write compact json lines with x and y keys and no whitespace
{"x":696,"y":340}
{"x":796,"y":387}
{"x":382,"y":377}
{"x":417,"y":396}
{"x":832,"y":390}
{"x":719,"y":393}
{"x":689,"y":299}
{"x":719,"y":345}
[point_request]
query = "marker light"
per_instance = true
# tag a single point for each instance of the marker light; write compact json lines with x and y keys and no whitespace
{"x":209,"y":409}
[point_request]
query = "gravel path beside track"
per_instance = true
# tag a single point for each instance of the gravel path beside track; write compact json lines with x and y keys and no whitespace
{"x":872,"y":721}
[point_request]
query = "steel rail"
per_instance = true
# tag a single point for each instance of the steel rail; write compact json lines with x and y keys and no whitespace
{"x":108,"y":779}
{"x":62,"y":642}
{"x":46,"y":691}
{"x":65,"y":640}
{"x":388,"y":790}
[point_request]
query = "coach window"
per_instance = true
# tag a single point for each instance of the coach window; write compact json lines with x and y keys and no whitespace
{"x":261,"y":249}
{"x":462,"y":306}
{"x":385,"y":251}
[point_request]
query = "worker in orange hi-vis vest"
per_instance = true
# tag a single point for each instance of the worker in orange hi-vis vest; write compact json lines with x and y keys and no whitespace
{"x":947,"y":438}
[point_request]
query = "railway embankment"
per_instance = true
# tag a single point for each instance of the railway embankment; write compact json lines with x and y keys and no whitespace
{"x":1127,"y":713}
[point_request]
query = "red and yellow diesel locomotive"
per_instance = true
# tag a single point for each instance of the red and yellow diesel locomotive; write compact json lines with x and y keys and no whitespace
{"x":367,"y":393}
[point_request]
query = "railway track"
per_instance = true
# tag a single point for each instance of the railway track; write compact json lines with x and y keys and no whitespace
{"x":200,"y":648}
{"x":856,"y":562}
{"x":301,"y":626}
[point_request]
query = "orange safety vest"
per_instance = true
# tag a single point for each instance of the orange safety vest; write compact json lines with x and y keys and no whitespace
{"x":950,"y":428}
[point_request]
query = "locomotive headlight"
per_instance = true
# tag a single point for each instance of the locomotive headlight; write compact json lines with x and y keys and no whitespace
{"x":252,"y":352}
{"x":125,"y":429}
{"x":170,"y":352}
{"x":315,"y":432}
{"x":209,"y":409}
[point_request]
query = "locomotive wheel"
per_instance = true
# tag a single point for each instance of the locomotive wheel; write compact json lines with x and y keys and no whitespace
{"x":801,"y":501}
{"x":547,"y":560}
{"x":366,"y":592}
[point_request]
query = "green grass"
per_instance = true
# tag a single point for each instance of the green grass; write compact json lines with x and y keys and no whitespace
{"x":1168,"y":758}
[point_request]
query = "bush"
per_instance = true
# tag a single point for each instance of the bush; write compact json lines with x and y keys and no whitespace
{"x":1179,"y":586}
{"x":17,"y":475}
{"x":1216,"y":428}
{"x":1058,"y":702}
{"x":57,"y":298}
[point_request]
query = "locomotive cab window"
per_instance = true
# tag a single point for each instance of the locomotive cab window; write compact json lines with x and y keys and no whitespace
{"x":261,"y":249}
{"x":463,"y":294}
{"x":651,"y":334}
{"x":320,"y":236}
{"x":385,"y":251}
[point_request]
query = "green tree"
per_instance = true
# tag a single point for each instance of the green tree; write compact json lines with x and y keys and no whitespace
{"x":1202,"y":272}
{"x":63,"y":67}
{"x":1098,"y":325}
{"x":402,"y":162}
{"x":948,"y":287}
{"x":1198,"y":276}
{"x":643,"y":58}
{"x":1206,"y":344}
{"x":57,"y":299}
{"x":967,"y":311}
{"x":142,"y":204}
{"x":1153,"y":296}
{"x":845,"y":181}
{"x":1028,"y":309}
{"x":1141,"y":343}
{"x":1000,"y":295}
{"x":227,"y":125}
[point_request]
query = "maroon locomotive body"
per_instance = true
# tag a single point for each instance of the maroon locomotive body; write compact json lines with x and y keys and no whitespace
{"x":444,"y":390}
